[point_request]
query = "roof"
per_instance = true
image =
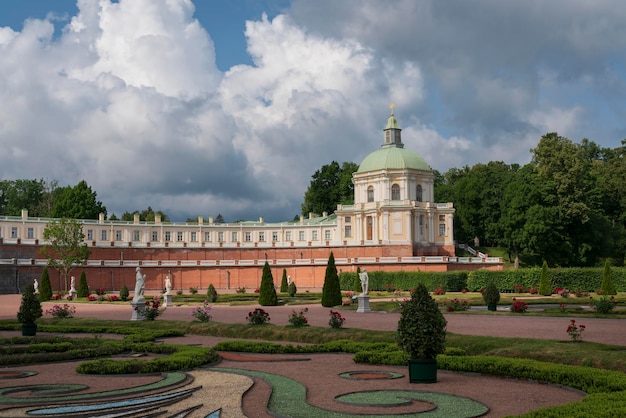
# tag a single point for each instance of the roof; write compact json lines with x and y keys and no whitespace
{"x":393,"y":158}
{"x":393,"y":155}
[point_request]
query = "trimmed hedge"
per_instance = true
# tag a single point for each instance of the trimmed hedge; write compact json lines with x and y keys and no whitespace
{"x":584,"y":279}
{"x":452,"y":281}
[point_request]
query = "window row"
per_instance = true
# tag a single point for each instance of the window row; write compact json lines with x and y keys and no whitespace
{"x":395,"y":193}
{"x":169,"y":236}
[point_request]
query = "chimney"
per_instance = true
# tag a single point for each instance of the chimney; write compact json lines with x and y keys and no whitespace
{"x":136,"y":218}
{"x":200,"y":220}
{"x":24,"y":213}
{"x":261,"y":220}
{"x":210,"y":220}
{"x":101,"y":217}
{"x":157,"y":218}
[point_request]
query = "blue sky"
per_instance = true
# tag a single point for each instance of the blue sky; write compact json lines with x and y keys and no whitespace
{"x":205,"y":107}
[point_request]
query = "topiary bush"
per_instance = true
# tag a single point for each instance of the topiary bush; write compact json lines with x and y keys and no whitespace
{"x":422,"y":326}
{"x":545,"y":288}
{"x":211,"y":293}
{"x":45,"y":288}
{"x":284,"y":286}
{"x":124,"y":293}
{"x":267,"y":292}
{"x":608,"y":287}
{"x":83,"y":287}
{"x":292,"y":289}
{"x":357,"y":282}
{"x":331,"y":292}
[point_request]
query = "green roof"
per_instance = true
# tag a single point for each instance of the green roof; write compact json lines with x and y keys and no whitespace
{"x":393,"y":158}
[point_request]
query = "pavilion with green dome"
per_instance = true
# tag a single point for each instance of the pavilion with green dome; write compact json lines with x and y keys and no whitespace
{"x":394,"y":201}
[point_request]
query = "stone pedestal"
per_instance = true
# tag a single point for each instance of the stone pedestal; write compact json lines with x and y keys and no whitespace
{"x":139,"y":307}
{"x":167,"y":299}
{"x":73,"y":294}
{"x":364,"y":303}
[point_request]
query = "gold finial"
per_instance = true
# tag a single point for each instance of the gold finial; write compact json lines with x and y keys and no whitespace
{"x":392,"y":107}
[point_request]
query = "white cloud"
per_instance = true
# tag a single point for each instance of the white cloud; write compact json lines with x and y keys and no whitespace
{"x":128,"y":96}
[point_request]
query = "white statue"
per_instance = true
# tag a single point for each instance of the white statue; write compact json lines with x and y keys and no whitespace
{"x":36,"y":286}
{"x":288,"y":280}
{"x":140,"y":283}
{"x":364,"y":281}
{"x":73,"y":285}
{"x":168,"y":285}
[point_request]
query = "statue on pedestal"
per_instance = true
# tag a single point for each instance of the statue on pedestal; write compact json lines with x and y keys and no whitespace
{"x":168,"y":285}
{"x":140,"y":284}
{"x":364,"y":281}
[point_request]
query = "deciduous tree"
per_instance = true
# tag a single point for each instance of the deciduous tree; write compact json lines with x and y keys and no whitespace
{"x":64,"y":246}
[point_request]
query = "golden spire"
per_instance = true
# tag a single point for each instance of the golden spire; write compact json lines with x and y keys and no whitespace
{"x":392,"y":107}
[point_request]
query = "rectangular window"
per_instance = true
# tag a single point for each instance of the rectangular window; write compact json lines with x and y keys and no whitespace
{"x":261,"y":236}
{"x":179,"y":236}
{"x":136,"y":235}
{"x":274,"y":236}
{"x":301,"y":235}
{"x":347,"y":219}
{"x":90,"y":234}
{"x":442,"y":218}
{"x":104,"y":235}
{"x":248,"y":237}
{"x":348,"y":231}
{"x":155,"y":235}
{"x":314,"y":235}
{"x":194,"y":236}
{"x":30,"y":233}
{"x":442,"y":230}
{"x":288,"y":236}
{"x":14,"y":232}
{"x":168,"y":236}
{"x":207,"y":237}
{"x":118,"y":235}
{"x":327,"y":235}
{"x":220,"y":236}
{"x":233,"y":237}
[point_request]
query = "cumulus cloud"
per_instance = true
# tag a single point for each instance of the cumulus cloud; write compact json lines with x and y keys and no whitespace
{"x":128,"y":96}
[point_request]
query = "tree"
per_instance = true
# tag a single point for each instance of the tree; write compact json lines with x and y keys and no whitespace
{"x":545,"y":288}
{"x":267,"y":292}
{"x":78,"y":202}
{"x":219,"y":219}
{"x":45,"y":289}
{"x":331,"y":292}
{"x":16,"y":195}
{"x":284,"y":286}
{"x":330,"y":185}
{"x":146,"y":215}
{"x":65,"y":247}
{"x":83,"y":287}
{"x":608,"y":286}
{"x":356,"y":285}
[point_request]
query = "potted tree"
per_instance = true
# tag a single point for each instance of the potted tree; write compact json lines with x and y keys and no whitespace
{"x":422,"y":335}
{"x":30,"y":310}
{"x":491,"y":296}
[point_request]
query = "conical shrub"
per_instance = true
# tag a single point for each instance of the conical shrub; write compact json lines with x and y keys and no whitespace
{"x":331,"y":292}
{"x":267,"y":292}
{"x":45,"y":288}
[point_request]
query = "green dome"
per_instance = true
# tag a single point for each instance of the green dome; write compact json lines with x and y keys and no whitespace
{"x":393,"y":158}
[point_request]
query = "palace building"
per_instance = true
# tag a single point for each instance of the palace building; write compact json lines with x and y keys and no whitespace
{"x":393,"y":225}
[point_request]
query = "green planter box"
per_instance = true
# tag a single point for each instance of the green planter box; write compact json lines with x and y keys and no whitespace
{"x":422,"y":370}
{"x":28,"y":330}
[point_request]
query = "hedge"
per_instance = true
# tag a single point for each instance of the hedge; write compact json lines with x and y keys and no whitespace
{"x":583,"y":279}
{"x":452,"y":281}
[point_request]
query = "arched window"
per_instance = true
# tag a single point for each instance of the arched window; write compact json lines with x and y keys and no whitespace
{"x":370,"y":194}
{"x":418,"y":193}
{"x":395,"y":192}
